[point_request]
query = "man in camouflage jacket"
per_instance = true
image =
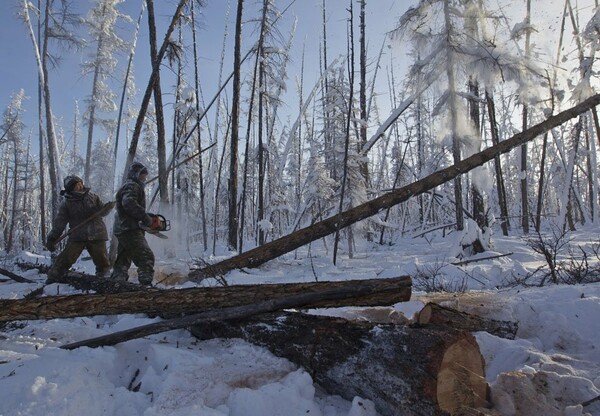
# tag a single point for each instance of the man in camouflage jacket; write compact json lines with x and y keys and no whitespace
{"x":77,"y":206}
{"x":131,"y":211}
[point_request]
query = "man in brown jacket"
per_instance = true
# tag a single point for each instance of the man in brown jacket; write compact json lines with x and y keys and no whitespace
{"x":77,"y":206}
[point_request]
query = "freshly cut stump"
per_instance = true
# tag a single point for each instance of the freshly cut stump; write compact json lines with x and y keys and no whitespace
{"x":403,"y":370}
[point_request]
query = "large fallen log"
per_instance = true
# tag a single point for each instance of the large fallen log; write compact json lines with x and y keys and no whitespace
{"x":259,"y":255}
{"x":403,"y":370}
{"x":297,"y":300}
{"x":367,"y":292}
{"x":435,"y":314}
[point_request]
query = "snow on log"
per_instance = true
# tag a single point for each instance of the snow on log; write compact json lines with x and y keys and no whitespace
{"x":403,"y":370}
{"x":368,"y":292}
{"x":435,"y":314}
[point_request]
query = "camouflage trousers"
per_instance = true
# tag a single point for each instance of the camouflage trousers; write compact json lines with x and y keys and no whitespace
{"x":133,"y":247}
{"x":63,"y":262}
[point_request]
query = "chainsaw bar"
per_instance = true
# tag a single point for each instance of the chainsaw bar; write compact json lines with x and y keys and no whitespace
{"x":153,"y":232}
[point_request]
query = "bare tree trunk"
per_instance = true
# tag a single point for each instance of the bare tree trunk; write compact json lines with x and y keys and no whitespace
{"x":218,"y":188}
{"x":41,"y":139}
{"x":233,"y":224}
{"x":500,"y":188}
{"x":55,"y":175}
{"x":200,"y":164}
{"x":276,"y":248}
{"x":524,"y":156}
{"x":247,"y":154}
{"x":160,"y":118}
{"x":260,"y":214}
{"x":363,"y":90}
{"x":347,"y":138}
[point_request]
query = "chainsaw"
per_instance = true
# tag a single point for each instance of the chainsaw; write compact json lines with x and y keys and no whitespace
{"x":164,"y":225}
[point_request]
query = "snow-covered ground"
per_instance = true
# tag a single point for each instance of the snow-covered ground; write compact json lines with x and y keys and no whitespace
{"x":551,"y":368}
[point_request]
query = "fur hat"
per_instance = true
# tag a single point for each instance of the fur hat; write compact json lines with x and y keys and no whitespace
{"x":136,"y":169}
{"x":70,"y":182}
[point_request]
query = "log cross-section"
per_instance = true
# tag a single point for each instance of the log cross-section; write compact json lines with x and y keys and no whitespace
{"x":404,"y":371}
{"x":367,"y":292}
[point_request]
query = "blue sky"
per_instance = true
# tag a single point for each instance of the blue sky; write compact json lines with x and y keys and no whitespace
{"x":18,"y":69}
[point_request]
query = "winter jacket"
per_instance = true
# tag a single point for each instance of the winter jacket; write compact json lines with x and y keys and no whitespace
{"x":75,"y":208}
{"x":131,"y":203}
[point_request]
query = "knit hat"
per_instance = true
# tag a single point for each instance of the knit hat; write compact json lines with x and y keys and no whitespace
{"x":70,"y":182}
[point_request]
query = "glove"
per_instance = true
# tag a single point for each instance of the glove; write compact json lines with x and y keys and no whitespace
{"x":156,"y":224}
{"x":50,"y":245}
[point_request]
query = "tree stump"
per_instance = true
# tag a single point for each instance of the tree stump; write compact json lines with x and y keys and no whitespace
{"x":403,"y":370}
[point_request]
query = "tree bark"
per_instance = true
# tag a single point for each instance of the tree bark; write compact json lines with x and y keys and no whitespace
{"x":233,"y":223}
{"x":403,"y":370}
{"x":158,"y":104}
{"x":435,"y":314}
{"x":370,"y":292}
{"x":500,"y":188}
{"x":286,"y":244}
{"x":524,"y":156}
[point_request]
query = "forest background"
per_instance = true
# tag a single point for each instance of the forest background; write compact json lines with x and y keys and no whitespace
{"x":323,"y":107}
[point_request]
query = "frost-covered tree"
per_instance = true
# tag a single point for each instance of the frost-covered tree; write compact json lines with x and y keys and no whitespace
{"x":14,"y":148}
{"x":457,"y":47}
{"x":101,"y":22}
{"x":103,"y":178}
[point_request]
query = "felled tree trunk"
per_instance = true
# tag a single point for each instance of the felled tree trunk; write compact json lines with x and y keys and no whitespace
{"x":435,"y":314}
{"x":403,"y":370}
{"x":259,"y":255}
{"x":367,"y":292}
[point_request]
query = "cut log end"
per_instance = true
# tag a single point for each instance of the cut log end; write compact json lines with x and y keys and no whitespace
{"x":460,"y":382}
{"x":418,"y":371}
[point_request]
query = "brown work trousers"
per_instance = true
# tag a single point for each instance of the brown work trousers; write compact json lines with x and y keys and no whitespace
{"x":63,"y":262}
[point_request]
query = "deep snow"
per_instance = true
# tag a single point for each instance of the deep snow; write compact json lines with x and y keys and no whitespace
{"x":550,"y":369}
